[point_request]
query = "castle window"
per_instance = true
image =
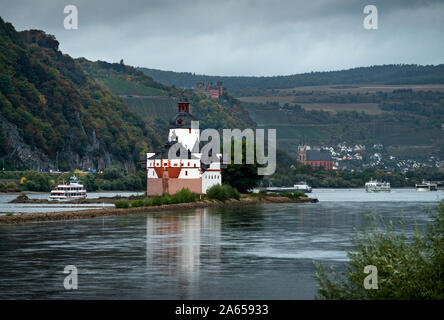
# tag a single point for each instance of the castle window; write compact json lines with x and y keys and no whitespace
{"x":186,"y":172}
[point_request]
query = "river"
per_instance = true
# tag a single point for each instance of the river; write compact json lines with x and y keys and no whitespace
{"x":6,"y":207}
{"x":257,"y":252}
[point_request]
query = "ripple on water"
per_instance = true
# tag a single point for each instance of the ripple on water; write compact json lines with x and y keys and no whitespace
{"x":332,"y":255}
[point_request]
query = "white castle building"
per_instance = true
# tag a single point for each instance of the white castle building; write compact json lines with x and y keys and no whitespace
{"x":169,"y":174}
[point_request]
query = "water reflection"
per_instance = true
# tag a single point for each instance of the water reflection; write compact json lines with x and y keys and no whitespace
{"x":177,"y":246}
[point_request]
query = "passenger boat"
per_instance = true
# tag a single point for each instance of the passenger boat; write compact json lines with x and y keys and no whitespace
{"x":71,"y":191}
{"x":426,"y":186}
{"x":300,"y":186}
{"x":375,"y":186}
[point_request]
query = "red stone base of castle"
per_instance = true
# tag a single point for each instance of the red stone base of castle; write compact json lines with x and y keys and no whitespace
{"x":159,"y":186}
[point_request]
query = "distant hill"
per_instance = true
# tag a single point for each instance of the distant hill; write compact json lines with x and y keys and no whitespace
{"x":385,"y":74}
{"x":403,"y":110}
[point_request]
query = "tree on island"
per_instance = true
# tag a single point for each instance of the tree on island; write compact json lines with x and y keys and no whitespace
{"x":243,"y":176}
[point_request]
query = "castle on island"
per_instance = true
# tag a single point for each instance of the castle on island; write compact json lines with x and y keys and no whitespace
{"x":184,"y":169}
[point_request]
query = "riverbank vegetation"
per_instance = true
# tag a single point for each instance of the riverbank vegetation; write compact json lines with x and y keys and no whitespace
{"x":222,"y":192}
{"x":291,"y":195}
{"x":112,"y":178}
{"x":407,"y":268}
{"x":217,"y":192}
{"x":242,"y":177}
{"x":182,"y":196}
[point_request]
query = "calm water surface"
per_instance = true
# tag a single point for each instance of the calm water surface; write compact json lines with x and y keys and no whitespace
{"x":6,"y":207}
{"x":258,"y":252}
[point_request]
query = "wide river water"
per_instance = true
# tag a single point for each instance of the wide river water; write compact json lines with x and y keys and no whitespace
{"x":257,"y":252}
{"x":6,"y":207}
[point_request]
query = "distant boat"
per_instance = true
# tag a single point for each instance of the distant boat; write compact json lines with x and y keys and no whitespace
{"x":376,"y":186}
{"x":300,"y":186}
{"x":426,"y":186}
{"x":71,"y":191}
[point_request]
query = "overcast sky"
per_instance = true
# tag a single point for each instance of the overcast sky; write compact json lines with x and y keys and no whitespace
{"x":238,"y":37}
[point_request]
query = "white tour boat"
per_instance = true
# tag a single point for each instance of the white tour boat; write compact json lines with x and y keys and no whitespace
{"x":426,"y":186}
{"x":71,"y":191}
{"x":375,"y":185}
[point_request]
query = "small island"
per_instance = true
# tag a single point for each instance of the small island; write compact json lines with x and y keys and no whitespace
{"x":217,"y":196}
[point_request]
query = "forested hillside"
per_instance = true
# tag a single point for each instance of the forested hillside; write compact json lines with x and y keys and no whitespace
{"x":61,"y":113}
{"x":385,"y":74}
{"x":419,"y":129}
{"x":159,"y":102}
{"x":53,"y":115}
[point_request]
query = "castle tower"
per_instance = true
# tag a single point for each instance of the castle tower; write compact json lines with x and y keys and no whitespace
{"x":220,"y":88}
{"x":182,"y":130}
{"x":302,"y":153}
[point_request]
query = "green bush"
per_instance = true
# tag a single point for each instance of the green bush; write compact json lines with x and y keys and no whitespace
{"x":231,"y":192}
{"x":156,"y":200}
{"x":222,"y":192}
{"x":183,"y":196}
{"x":3,"y":187}
{"x":11,"y":186}
{"x":408,"y":268}
{"x":147,"y":202}
{"x":123,"y":204}
{"x":294,"y":195}
{"x":23,"y":196}
{"x":137,"y":203}
{"x":32,"y":186}
{"x":37,"y":181}
{"x":114,"y":172}
{"x":216,"y":192}
{"x":166,"y":199}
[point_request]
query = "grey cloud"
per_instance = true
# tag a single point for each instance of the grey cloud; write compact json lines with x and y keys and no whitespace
{"x":241,"y":37}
